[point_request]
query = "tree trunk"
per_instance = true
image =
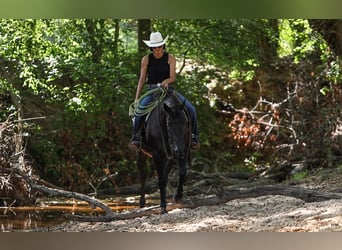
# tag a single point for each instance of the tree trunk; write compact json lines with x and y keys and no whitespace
{"x":144,"y":30}
{"x":17,"y":192}
{"x":331,"y":31}
{"x":116,"y":37}
{"x":95,"y":39}
{"x":268,"y":45}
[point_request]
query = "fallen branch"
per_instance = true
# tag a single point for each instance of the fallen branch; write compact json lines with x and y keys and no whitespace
{"x":68,"y":194}
{"x":59,"y":192}
{"x":304,"y":194}
{"x":121,"y":216}
{"x":223,"y":196}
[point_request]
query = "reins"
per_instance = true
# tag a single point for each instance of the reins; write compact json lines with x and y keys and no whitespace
{"x":169,"y":156}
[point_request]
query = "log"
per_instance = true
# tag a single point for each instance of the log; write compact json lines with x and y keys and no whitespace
{"x":59,"y":192}
{"x":223,"y":196}
{"x":307,"y":195}
{"x":133,"y":189}
{"x":68,"y":194}
{"x":121,"y":216}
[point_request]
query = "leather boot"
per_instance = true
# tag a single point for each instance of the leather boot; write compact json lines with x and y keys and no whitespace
{"x":195,"y":142}
{"x":135,"y":141}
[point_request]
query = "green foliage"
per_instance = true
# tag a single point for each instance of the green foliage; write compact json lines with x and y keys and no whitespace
{"x":300,"y":175}
{"x":82,"y":75}
{"x":212,"y":42}
{"x":334,"y":70}
{"x":297,"y":39}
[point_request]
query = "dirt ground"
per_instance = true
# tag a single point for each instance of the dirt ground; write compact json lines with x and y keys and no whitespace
{"x":270,"y":213}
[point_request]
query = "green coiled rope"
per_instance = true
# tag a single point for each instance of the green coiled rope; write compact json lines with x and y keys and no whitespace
{"x":140,"y":110}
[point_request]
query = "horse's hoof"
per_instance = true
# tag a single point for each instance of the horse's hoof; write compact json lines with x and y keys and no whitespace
{"x":163,"y":211}
{"x":142,"y":202}
{"x":177,"y":198}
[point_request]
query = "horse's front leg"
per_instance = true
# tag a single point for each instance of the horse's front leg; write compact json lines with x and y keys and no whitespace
{"x":178,"y":196}
{"x":143,"y":173}
{"x":163,"y":166}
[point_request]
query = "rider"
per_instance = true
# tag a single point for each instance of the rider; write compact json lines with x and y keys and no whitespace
{"x":159,"y":68}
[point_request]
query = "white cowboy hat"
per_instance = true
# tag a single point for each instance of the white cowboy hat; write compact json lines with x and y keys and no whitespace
{"x":156,"y":40}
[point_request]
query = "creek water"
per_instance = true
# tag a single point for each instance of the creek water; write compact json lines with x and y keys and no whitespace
{"x":51,"y":212}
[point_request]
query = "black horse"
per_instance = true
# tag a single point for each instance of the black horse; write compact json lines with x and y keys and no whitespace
{"x":166,"y":138}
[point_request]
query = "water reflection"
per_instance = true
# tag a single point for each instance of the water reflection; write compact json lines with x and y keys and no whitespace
{"x":28,"y":219}
{"x":49,"y":213}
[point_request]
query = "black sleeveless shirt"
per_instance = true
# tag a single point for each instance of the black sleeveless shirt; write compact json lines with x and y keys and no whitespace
{"x":158,"y":69}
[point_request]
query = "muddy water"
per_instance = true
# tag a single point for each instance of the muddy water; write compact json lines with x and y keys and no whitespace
{"x":51,"y":212}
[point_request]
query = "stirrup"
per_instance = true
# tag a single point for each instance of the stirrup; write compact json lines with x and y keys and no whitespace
{"x":134,"y":144}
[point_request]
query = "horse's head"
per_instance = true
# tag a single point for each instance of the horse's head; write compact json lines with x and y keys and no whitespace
{"x":177,"y":125}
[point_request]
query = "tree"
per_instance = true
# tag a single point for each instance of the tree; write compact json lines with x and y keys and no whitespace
{"x":79,"y":74}
{"x":66,"y":71}
{"x":22,"y":63}
{"x":144,"y":30}
{"x":331,"y":30}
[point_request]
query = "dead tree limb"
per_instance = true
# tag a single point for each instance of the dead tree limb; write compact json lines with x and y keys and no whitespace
{"x":68,"y":194}
{"x":59,"y":192}
{"x":304,"y":194}
{"x":223,"y":196}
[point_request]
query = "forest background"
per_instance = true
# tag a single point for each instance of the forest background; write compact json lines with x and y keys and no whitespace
{"x":267,"y":93}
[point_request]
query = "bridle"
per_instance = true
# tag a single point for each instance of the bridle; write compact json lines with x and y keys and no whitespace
{"x":166,"y":147}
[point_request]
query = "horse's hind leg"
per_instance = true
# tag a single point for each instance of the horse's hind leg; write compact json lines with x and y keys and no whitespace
{"x":143,"y":173}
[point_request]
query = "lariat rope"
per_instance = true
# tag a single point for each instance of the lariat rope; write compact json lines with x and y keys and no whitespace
{"x":140,"y":110}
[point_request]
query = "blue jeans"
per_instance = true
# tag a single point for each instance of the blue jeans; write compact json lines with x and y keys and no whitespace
{"x":149,"y":98}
